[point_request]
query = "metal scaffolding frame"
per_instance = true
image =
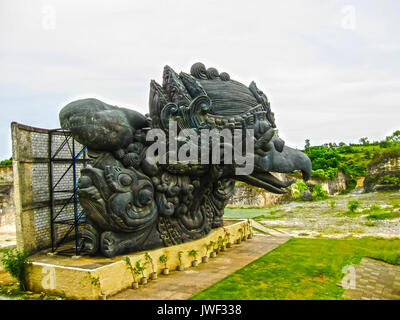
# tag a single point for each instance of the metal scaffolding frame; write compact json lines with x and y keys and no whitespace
{"x":78,"y":215}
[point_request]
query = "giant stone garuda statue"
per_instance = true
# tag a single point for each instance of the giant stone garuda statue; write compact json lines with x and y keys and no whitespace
{"x":133,"y":200}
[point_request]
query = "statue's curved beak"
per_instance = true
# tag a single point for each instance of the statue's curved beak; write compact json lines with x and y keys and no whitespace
{"x":286,"y":161}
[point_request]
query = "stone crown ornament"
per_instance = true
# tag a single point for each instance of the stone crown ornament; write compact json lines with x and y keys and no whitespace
{"x":134,"y":202}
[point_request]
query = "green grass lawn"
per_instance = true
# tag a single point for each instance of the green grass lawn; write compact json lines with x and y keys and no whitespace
{"x":301,"y":269}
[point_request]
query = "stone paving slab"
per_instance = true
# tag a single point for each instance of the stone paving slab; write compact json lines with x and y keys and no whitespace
{"x":375,"y":280}
{"x":181,"y":285}
{"x":270,"y":231}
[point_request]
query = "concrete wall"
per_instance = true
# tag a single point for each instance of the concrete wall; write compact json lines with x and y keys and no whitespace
{"x":6,"y":174}
{"x":7,"y":208}
{"x":32,"y":185}
{"x":73,"y":278}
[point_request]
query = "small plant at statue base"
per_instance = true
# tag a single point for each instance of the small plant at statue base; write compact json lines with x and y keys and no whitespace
{"x":194,"y":253}
{"x":181,"y":267}
{"x":213,"y":252}
{"x":153,"y":274}
{"x":220,"y":244}
{"x":141,"y":268}
{"x":250,"y":229}
{"x":134,"y":272}
{"x":204,"y":259}
{"x":228,"y":239}
{"x":163,"y":260}
{"x":16,"y":263}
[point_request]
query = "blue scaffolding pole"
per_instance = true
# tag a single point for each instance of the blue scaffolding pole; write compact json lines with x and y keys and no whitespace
{"x":78,"y":215}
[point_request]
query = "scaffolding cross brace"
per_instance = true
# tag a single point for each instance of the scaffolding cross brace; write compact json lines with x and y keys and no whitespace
{"x":78,"y":215}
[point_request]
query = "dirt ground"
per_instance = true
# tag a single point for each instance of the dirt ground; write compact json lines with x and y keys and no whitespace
{"x":318,"y":219}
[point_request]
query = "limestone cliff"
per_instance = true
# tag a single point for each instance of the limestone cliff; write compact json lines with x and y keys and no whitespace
{"x":383,"y":173}
{"x":333,"y":186}
{"x":246,"y":195}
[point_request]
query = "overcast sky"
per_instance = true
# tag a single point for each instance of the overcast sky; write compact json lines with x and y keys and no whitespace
{"x":331,"y":69}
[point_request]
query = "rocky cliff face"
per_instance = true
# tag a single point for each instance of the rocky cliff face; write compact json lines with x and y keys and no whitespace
{"x":334,"y":186}
{"x":249,"y":196}
{"x":383,"y":174}
{"x":246,"y":195}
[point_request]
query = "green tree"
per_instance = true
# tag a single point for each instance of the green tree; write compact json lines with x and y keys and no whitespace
{"x":307,"y":144}
{"x":364,"y":141}
{"x":16,"y":263}
{"x":395,"y":137}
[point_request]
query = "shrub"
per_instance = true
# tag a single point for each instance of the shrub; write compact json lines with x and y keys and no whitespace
{"x":298,"y":188}
{"x":387,"y":179}
{"x":331,"y":204}
{"x":319,"y":193}
{"x":392,"y":152}
{"x":6,"y":163}
{"x":329,"y":173}
{"x":353,"y":169}
{"x":374,"y":207}
{"x":323,"y":157}
{"x":353,"y":205}
{"x":16,"y":263}
{"x":383,"y":216}
{"x":346,"y":149}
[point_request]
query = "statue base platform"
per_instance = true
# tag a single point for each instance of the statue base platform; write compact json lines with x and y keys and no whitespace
{"x":94,"y":278}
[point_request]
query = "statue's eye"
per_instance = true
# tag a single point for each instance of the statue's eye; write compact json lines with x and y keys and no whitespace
{"x":125,"y":180}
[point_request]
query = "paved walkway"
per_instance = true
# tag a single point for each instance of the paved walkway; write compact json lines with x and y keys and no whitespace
{"x":375,"y":280}
{"x":269,"y":231}
{"x":184,"y":284}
